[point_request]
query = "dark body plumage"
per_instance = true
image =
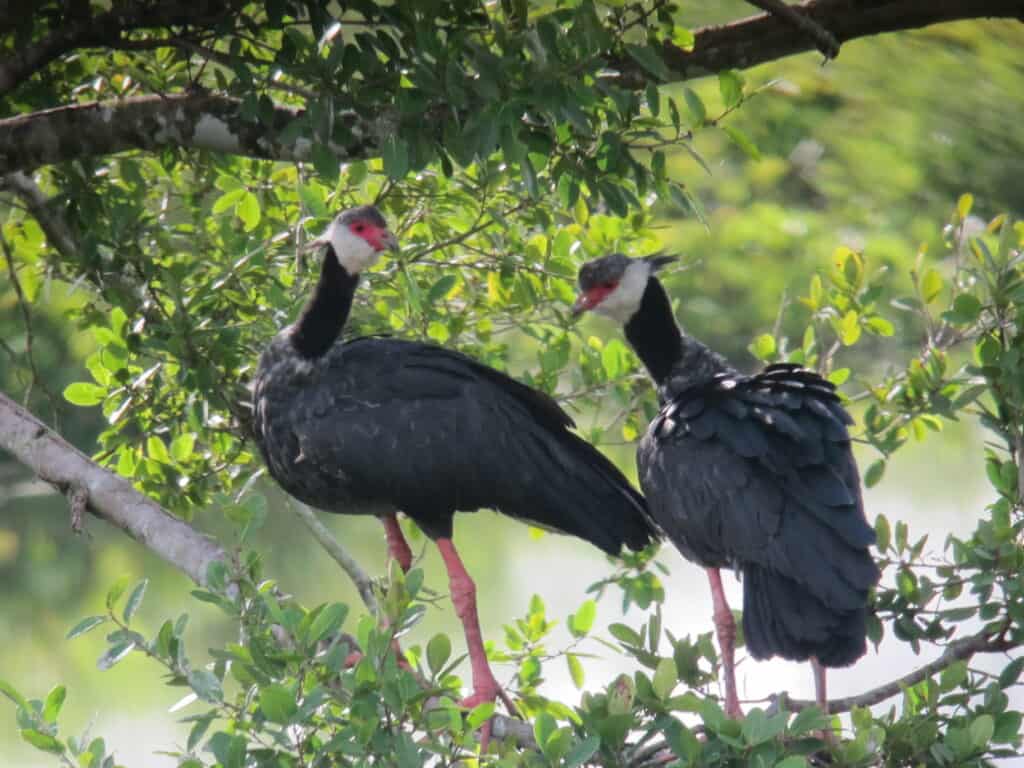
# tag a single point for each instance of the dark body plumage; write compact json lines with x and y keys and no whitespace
{"x":753,"y":473}
{"x":375,"y":425}
{"x":379,"y":424}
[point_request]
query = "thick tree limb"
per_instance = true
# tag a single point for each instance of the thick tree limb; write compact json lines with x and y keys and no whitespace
{"x":747,"y":42}
{"x":213,"y":122}
{"x":110,"y":497}
{"x":106,"y":29}
{"x":191,"y":120}
{"x":824,"y":39}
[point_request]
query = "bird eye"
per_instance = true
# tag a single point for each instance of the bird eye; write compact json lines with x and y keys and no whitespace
{"x":610,"y":286}
{"x":358,"y":227}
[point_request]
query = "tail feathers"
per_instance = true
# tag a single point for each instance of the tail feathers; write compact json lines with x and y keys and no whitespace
{"x":585,"y":495}
{"x":782,"y":618}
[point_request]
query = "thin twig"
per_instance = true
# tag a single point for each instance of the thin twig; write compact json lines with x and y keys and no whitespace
{"x":27,"y":319}
{"x":340,"y":555}
{"x":823,"y":39}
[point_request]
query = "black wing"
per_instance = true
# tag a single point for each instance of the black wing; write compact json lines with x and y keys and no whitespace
{"x":756,"y":472}
{"x":432,"y":431}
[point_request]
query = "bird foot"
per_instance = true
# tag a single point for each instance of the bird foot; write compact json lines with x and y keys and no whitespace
{"x":488,"y":692}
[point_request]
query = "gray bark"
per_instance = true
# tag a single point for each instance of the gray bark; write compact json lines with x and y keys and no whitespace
{"x":110,"y":497}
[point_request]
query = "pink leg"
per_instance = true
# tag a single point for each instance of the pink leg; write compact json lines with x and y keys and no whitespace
{"x":820,"y":689}
{"x":725,"y":628}
{"x":397,"y":546}
{"x":821,"y":697}
{"x":485,"y":687}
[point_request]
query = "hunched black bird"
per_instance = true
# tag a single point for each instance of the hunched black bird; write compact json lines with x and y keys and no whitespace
{"x":749,"y":472}
{"x":374,"y":425}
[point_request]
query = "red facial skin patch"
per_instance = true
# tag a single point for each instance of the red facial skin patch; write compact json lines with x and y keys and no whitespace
{"x":593,"y":297}
{"x":371,"y":233}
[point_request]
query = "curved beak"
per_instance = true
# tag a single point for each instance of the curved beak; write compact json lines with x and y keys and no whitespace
{"x":583,"y":303}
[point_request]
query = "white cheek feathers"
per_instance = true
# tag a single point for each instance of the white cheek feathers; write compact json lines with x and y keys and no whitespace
{"x":353,"y":252}
{"x":623,"y":302}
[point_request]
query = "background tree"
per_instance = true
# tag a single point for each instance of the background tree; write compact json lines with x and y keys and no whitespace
{"x":165,"y":162}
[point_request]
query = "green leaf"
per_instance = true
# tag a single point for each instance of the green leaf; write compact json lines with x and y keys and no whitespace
{"x":730,"y":84}
{"x":85,"y":625}
{"x":135,"y":600}
{"x":883,"y":533}
{"x":277,"y":704}
{"x":807,"y":720}
{"x":931,"y":285}
{"x":438,"y":650}
{"x":763,"y":347}
{"x":84,"y":394}
{"x":54,"y":702}
{"x":793,"y":761}
{"x":1011,"y":672}
{"x":206,"y":685}
{"x":741,"y":140}
{"x":228,"y":199}
{"x":953,"y":675}
{"x":116,"y":590}
{"x":966,"y":308}
{"x":114,"y":654}
{"x":329,"y":620}
{"x":11,"y":693}
{"x":665,"y":678}
{"x":981,"y":730}
{"x":248,"y":210}
{"x":650,"y":59}
{"x":575,"y":670}
{"x":582,"y":751}
{"x":964,"y":205}
{"x":581,"y":622}
{"x":479,"y":715}
{"x":849,"y":328}
{"x":543,"y":727}
{"x":696,"y":106}
{"x":441,"y":288}
{"x":874,"y":474}
{"x":156,"y":450}
{"x":43,"y":741}
{"x":182,"y":447}
{"x":624,"y":634}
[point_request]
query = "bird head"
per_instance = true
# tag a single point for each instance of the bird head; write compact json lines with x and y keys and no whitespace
{"x":357,"y":236}
{"x":614,"y":285}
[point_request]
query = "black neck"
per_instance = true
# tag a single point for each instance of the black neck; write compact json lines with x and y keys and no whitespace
{"x":324,"y":315}
{"x":664,"y":349}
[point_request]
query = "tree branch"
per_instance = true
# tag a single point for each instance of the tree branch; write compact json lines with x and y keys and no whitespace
{"x":216,"y":123}
{"x":339,"y":554}
{"x":824,"y":39}
{"x":106,"y":29}
{"x":110,"y":497}
{"x":190,"y":120}
{"x":56,"y":229}
{"x":958,"y":650}
{"x":751,"y":41}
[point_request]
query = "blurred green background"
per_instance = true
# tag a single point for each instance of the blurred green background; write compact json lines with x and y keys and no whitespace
{"x":871,"y":151}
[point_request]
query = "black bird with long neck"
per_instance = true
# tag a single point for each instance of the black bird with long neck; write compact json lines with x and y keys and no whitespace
{"x":376,"y":425}
{"x":749,"y":472}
